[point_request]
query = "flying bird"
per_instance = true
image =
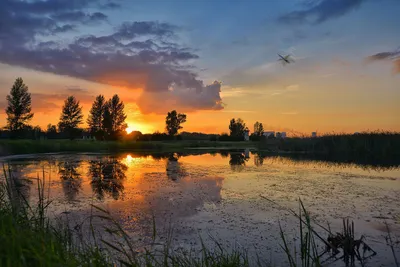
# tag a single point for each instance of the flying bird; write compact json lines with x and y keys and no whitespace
{"x":285,"y":59}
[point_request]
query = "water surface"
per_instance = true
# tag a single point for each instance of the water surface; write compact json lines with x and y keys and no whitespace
{"x":220,"y":195}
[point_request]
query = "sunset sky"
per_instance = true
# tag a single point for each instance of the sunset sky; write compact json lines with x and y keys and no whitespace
{"x":213,"y":60}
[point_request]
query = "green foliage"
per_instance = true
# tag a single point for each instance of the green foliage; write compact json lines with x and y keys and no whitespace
{"x":71,"y":116}
{"x":173,"y":122}
{"x":19,"y":106}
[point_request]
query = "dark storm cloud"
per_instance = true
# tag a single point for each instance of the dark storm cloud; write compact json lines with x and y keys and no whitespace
{"x":140,"y":54}
{"x":320,"y":11}
{"x":393,"y":56}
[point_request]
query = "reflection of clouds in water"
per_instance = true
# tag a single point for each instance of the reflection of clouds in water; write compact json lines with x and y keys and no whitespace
{"x":170,"y":195}
{"x":71,"y":179}
{"x":107,"y":176}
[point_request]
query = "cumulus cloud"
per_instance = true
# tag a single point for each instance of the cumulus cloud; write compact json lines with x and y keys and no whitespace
{"x":139,"y":54}
{"x":186,"y":98}
{"x":319,"y":11}
{"x":393,"y":56}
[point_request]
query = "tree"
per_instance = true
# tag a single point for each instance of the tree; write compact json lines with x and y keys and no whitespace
{"x":19,"y":109}
{"x":51,"y":128}
{"x":237,"y":127}
{"x":71,"y":116}
{"x":95,"y":118}
{"x":173,"y":122}
{"x":258,"y":129}
{"x":107,"y":122}
{"x":51,"y":131}
{"x":114,"y":116}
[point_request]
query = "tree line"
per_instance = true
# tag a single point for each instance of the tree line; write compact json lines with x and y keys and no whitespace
{"x":106,"y":119}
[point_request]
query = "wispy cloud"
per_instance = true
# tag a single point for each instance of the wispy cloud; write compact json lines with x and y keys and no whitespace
{"x":238,"y":111}
{"x":293,"y":87}
{"x":320,"y":11}
{"x":228,"y":92}
{"x":290,"y":113}
{"x":393,"y":56}
{"x":287,"y":89}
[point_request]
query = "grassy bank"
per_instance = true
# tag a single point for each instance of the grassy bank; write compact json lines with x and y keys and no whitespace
{"x":13,"y":147}
{"x":371,"y":144}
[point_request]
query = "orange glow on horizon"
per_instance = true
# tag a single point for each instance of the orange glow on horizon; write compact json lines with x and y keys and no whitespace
{"x":129,"y":129}
{"x":141,"y":127}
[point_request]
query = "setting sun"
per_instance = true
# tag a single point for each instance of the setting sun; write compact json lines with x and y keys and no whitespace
{"x":143,"y":128}
{"x":129,"y":129}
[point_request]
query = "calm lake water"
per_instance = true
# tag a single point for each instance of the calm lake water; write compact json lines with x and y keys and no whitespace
{"x":218,"y":195}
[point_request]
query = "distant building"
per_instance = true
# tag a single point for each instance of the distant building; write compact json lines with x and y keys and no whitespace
{"x":280,"y":135}
{"x":356,"y":133}
{"x":246,"y":135}
{"x":269,"y":134}
{"x":314,"y":134}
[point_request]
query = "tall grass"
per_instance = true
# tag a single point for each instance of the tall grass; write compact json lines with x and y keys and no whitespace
{"x":27,"y":237}
{"x":378,"y":146}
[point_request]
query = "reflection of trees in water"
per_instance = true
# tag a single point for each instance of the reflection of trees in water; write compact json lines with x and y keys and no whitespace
{"x":71,"y":178}
{"x":107,"y":177}
{"x":224,"y":153}
{"x":174,"y":169}
{"x":237,"y":161}
{"x":258,"y":160}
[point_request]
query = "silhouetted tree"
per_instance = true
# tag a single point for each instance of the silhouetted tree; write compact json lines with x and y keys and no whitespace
{"x":237,"y":128}
{"x":107,"y":177}
{"x":51,"y":128}
{"x":95,"y":118}
{"x":51,"y":131}
{"x":114,"y":117}
{"x":37,"y":132}
{"x":19,"y":109}
{"x":70,"y":178}
{"x":107,"y":123}
{"x":117,"y":114}
{"x":258,"y":129}
{"x":71,"y":117}
{"x":173,"y":122}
